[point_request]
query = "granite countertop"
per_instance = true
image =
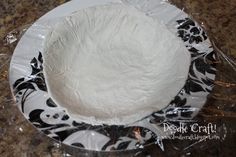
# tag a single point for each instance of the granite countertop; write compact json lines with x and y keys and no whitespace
{"x":19,"y":139}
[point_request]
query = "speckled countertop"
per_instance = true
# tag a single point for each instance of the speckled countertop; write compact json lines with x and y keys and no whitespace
{"x":19,"y":139}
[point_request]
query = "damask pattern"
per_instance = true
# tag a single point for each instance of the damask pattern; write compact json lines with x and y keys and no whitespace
{"x":56,"y":123}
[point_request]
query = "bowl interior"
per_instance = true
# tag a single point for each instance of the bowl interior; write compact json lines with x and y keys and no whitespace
{"x":113,"y":68}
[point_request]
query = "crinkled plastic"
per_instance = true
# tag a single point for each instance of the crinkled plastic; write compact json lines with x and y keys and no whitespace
{"x":200,"y":118}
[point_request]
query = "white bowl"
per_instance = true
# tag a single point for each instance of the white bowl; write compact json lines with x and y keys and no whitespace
{"x":112,"y":64}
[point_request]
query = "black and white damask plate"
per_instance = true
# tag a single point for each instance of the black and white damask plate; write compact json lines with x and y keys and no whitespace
{"x":30,"y":90}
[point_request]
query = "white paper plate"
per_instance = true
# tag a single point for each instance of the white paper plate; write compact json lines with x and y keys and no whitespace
{"x":29,"y":87}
